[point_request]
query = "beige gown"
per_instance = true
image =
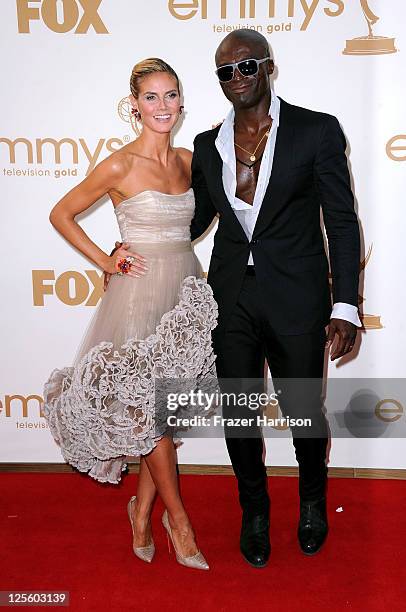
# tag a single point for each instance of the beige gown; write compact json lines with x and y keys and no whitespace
{"x":158,"y":326}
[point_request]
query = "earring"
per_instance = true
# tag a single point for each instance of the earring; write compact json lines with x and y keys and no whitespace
{"x":181,"y":110}
{"x":136,"y":114}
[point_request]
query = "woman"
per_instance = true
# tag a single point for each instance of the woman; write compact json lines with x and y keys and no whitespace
{"x":153,"y":322}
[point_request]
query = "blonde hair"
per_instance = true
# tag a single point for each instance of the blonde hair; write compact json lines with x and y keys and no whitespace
{"x":146,"y":67}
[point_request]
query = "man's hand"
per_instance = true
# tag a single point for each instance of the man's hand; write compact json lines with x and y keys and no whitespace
{"x":346,"y":333}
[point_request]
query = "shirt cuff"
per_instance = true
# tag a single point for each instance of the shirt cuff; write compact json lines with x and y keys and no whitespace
{"x":348,"y":312}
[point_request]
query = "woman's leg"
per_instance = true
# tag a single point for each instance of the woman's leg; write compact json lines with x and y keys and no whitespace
{"x":162,"y":467}
{"x":146,"y":492}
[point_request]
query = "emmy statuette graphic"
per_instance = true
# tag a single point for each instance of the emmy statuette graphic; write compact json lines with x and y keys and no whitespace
{"x":369,"y":321}
{"x":369,"y":45}
{"x":124,"y":110}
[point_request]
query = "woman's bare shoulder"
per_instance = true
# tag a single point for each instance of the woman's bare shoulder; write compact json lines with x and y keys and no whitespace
{"x":120,"y":162}
{"x":185,"y":154}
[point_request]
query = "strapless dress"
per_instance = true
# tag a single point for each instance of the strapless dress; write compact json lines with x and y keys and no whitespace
{"x":104,"y":409}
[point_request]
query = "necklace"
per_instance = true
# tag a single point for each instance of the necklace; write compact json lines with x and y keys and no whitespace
{"x":252,"y":155}
{"x":250,"y":166}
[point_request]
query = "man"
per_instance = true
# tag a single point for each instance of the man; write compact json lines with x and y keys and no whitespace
{"x":266,"y":171}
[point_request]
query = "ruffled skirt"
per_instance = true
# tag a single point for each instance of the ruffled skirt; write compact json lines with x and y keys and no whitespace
{"x":104,"y":407}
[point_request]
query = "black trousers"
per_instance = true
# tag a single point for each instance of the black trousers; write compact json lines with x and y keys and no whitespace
{"x":241,"y":351}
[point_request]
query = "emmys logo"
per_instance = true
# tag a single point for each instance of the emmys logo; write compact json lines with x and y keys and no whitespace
{"x":71,"y":287}
{"x":396,"y":143}
{"x":20,"y":404}
{"x":269,"y":9}
{"x":389,"y":410}
{"x":369,"y":45}
{"x":60,"y":16}
{"x":34,"y":152}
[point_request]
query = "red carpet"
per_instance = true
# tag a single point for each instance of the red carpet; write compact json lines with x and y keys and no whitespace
{"x":67,"y":532}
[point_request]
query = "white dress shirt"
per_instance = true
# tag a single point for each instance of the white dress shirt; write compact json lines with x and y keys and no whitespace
{"x":246,"y":213}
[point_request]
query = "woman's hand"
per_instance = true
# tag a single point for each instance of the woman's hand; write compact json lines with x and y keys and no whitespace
{"x":101,"y":181}
{"x":137,"y":268}
{"x":121,"y":251}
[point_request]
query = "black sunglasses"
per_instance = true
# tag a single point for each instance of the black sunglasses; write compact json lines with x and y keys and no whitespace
{"x":248,"y":67}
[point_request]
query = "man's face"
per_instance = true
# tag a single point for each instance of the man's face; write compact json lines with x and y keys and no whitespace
{"x":242,"y":91}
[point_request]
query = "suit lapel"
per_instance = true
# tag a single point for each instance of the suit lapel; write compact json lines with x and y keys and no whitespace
{"x":282,"y":160}
{"x":217,"y":176}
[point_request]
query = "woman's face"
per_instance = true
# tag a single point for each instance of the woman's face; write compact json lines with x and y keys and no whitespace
{"x":158,"y":102}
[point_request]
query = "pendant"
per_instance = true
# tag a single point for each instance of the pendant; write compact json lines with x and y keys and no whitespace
{"x":249,"y":166}
{"x":252,"y":158}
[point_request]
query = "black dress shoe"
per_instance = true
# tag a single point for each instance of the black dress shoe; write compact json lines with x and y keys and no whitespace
{"x":313,"y":526}
{"x":254,"y":539}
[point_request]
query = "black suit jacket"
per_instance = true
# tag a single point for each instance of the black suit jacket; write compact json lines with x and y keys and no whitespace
{"x":309,"y":171}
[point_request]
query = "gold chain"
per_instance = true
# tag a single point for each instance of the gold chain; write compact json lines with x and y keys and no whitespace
{"x":252,"y":155}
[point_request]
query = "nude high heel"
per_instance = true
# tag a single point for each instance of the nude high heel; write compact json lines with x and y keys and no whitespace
{"x":145,"y":553}
{"x":196,"y":561}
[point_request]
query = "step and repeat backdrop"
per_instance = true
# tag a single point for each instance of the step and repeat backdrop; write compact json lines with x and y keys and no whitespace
{"x":65,"y":67}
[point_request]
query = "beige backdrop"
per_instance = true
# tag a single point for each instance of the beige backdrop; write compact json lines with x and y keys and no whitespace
{"x":65,"y":70}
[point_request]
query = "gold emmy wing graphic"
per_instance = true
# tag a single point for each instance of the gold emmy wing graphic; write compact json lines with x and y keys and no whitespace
{"x":369,"y":45}
{"x":124,"y":110}
{"x":369,"y":321}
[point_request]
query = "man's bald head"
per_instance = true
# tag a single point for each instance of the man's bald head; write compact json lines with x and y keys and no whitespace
{"x":254,"y":39}
{"x":245,"y":91}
